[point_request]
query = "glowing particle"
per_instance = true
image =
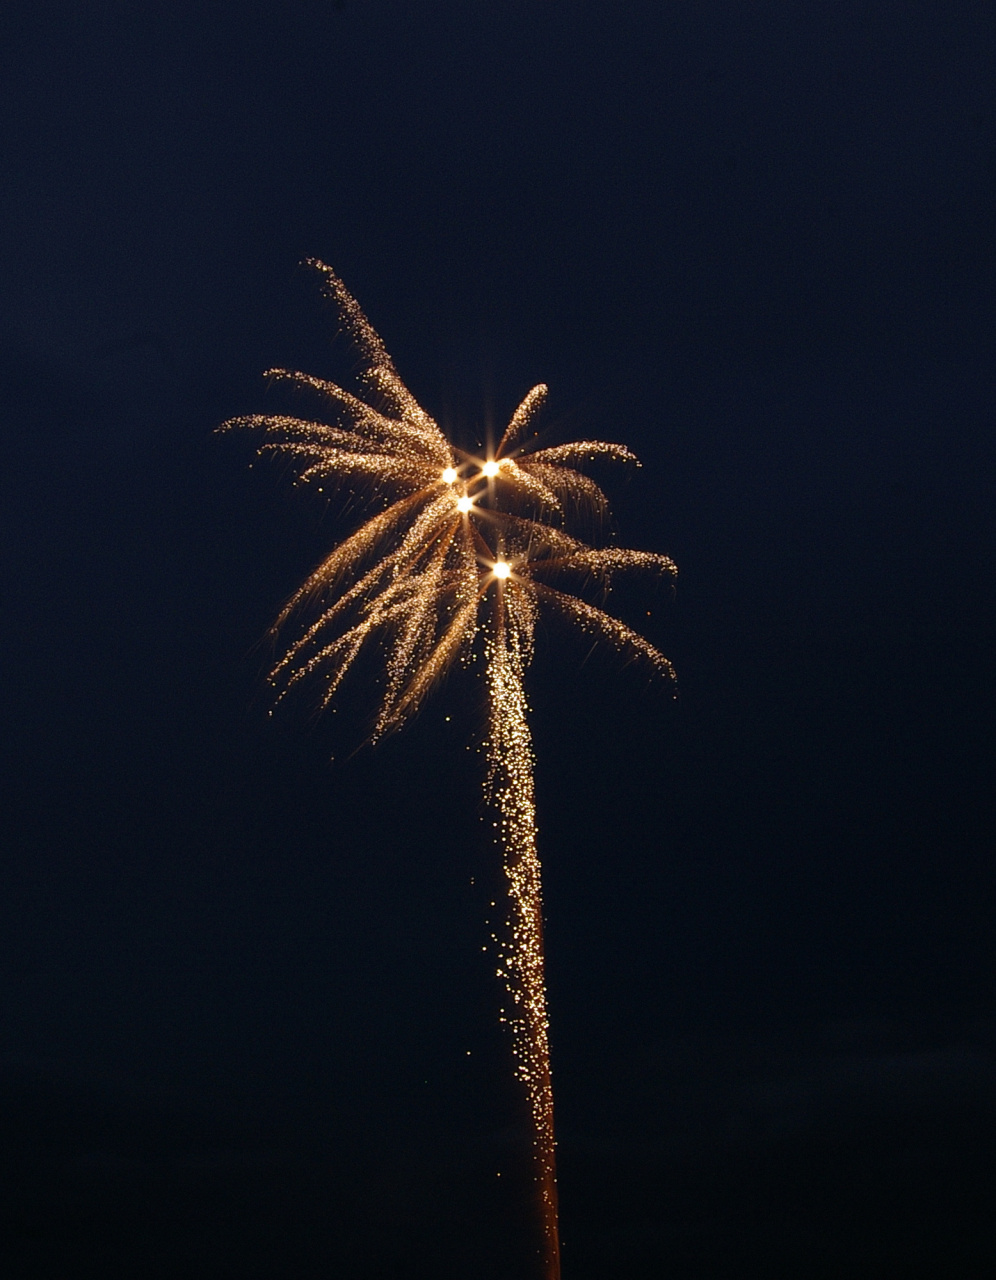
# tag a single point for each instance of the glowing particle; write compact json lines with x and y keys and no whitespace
{"x":490,"y":469}
{"x":449,"y":475}
{"x":464,"y":504}
{"x":501,"y":569}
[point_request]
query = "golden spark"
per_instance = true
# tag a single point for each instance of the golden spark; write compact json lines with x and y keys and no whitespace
{"x":463,"y":547}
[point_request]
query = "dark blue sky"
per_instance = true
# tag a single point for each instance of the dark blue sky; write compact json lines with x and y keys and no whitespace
{"x":239,"y":985}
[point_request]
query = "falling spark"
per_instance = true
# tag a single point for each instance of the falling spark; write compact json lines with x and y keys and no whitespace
{"x":464,"y":547}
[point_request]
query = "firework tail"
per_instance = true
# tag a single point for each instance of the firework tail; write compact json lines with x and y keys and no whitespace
{"x":521,"y":959}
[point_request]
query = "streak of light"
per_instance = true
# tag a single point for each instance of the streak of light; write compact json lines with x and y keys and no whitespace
{"x":418,"y":578}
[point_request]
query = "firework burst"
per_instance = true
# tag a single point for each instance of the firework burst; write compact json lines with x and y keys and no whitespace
{"x":461,"y":546}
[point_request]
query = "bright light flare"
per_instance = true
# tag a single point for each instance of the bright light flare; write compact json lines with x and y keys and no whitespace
{"x":449,"y":475}
{"x":501,"y":569}
{"x":465,"y":504}
{"x":490,"y":469}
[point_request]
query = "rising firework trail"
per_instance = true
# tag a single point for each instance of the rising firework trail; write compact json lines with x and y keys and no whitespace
{"x":460,"y":546}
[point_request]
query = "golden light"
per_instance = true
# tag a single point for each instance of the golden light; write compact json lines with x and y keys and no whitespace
{"x":415,"y":578}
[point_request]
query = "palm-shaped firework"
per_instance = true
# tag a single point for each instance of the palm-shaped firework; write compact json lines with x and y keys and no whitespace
{"x":466,"y":545}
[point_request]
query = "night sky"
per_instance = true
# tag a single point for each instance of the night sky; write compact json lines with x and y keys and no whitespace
{"x":248,"y":1030}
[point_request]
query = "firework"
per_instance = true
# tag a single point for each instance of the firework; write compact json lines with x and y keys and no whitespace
{"x":460,"y":547}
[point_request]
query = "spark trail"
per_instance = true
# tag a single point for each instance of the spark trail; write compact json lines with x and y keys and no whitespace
{"x":460,"y":547}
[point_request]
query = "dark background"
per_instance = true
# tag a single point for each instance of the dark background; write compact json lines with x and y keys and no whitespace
{"x":248,"y":1027}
